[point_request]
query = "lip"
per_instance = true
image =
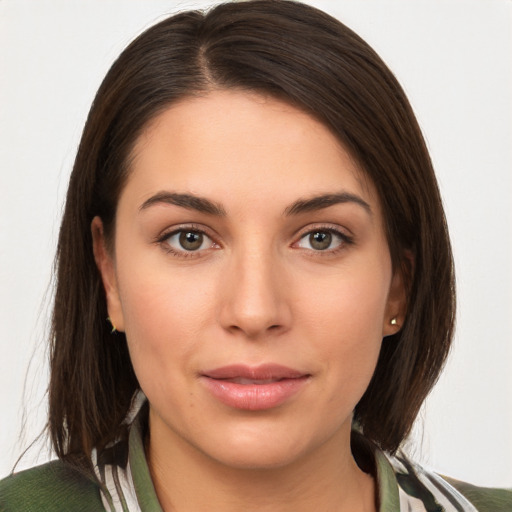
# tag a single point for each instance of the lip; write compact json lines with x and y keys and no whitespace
{"x":254,"y":388}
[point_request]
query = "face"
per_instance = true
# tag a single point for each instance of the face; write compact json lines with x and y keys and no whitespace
{"x":252,"y":277}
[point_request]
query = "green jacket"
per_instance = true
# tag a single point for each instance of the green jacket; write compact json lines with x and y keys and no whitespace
{"x":56,"y":487}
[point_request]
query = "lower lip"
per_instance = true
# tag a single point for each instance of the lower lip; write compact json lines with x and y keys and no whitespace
{"x":254,"y":397}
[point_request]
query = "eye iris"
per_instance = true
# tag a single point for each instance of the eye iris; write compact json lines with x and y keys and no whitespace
{"x":320,"y":240}
{"x":190,"y":240}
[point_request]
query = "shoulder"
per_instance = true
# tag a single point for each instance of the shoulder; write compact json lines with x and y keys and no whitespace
{"x":485,"y":499}
{"x":422,"y":489}
{"x":52,"y":487}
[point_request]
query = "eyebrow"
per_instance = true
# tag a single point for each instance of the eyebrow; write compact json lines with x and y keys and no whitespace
{"x":189,"y":201}
{"x":324,"y":201}
{"x":203,"y":205}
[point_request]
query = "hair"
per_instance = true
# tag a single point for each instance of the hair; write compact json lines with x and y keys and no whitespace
{"x":302,"y":56}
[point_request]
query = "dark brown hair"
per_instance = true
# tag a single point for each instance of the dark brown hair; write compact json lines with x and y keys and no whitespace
{"x":308,"y":59}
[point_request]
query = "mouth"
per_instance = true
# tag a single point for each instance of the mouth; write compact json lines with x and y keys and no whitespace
{"x":254,"y":388}
{"x":244,"y":381}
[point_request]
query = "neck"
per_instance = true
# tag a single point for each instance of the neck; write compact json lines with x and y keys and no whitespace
{"x":187,"y":480}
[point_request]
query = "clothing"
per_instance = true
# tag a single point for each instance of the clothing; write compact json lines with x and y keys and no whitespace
{"x":122,"y":469}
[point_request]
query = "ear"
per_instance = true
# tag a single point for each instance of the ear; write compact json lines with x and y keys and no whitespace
{"x":106,"y":267}
{"x":396,"y":306}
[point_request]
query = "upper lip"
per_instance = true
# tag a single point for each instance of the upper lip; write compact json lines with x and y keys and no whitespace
{"x":260,"y":372}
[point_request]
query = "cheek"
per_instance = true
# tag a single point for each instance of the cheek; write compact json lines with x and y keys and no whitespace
{"x":343,"y":315}
{"x":352,"y":305}
{"x":164,"y":314}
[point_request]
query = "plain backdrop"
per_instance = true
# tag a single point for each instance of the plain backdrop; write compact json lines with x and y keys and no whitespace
{"x":453,"y":59}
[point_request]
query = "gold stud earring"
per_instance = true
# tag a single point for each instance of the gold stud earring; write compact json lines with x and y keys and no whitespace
{"x":113,"y":326}
{"x":394,"y":321}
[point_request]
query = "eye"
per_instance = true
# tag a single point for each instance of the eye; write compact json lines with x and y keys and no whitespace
{"x":188,"y":240}
{"x":322,"y":240}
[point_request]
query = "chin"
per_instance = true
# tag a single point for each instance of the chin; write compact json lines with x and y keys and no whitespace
{"x":261,"y":449}
{"x":254,"y":458}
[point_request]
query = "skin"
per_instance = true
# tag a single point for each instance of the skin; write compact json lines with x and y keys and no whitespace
{"x":256,"y":291}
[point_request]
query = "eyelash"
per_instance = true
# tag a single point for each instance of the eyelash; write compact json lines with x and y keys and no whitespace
{"x":346,"y":240}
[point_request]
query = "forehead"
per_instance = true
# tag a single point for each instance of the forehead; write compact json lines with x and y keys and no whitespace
{"x":232,"y":142}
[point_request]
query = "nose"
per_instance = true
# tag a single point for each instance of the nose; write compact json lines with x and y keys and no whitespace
{"x":254,"y":296}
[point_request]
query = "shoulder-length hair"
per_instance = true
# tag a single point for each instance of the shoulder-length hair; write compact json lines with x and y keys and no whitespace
{"x":300,"y":55}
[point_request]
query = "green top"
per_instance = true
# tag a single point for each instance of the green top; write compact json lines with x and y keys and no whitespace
{"x":124,"y":484}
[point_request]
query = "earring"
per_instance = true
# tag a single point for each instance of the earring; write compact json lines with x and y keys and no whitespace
{"x":113,"y":326}
{"x":393,"y":321}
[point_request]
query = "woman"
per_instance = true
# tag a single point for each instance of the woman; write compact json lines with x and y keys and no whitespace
{"x":258,"y":218}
